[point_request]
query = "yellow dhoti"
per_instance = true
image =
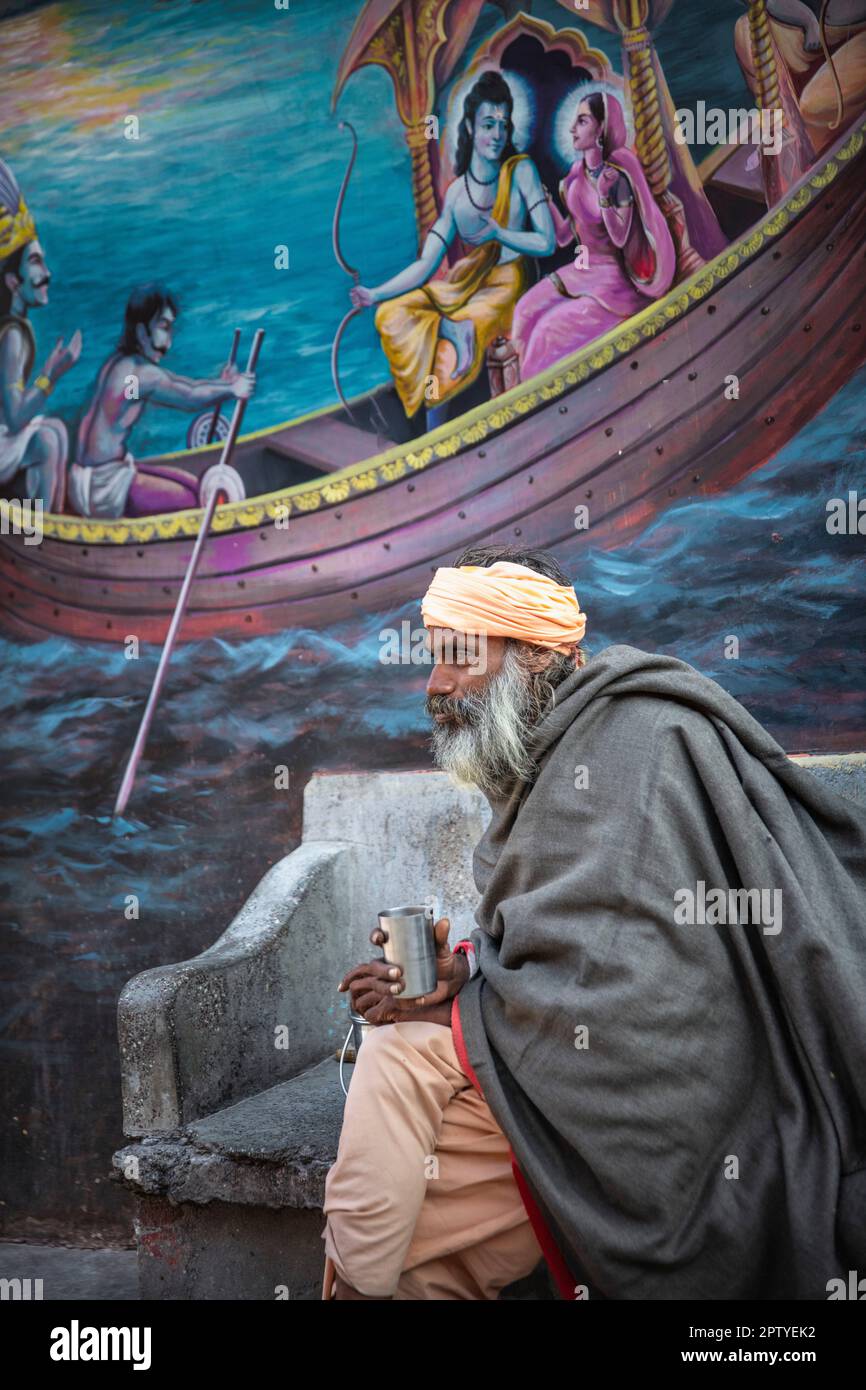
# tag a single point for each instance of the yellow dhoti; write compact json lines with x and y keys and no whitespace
{"x":476,"y":288}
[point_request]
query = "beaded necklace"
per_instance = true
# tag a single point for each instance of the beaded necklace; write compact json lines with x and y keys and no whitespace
{"x":479,"y":207}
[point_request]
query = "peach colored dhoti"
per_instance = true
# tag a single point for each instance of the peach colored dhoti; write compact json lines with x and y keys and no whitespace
{"x":421,"y":1202}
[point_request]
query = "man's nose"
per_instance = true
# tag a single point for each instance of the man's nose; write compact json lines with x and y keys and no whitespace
{"x":440,"y":682}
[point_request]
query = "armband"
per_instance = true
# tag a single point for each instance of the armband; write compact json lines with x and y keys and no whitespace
{"x":535,"y":205}
{"x":433,"y":232}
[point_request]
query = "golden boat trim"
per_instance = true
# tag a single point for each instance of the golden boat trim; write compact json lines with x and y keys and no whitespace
{"x":476,"y":425}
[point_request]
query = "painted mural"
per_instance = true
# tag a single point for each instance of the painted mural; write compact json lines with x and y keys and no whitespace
{"x":296,"y":301}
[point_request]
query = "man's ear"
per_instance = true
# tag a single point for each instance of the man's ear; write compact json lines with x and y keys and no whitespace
{"x":536,"y":658}
{"x":12,"y":281}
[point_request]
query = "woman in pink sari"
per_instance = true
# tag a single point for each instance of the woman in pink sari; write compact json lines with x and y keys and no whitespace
{"x":625,"y":258}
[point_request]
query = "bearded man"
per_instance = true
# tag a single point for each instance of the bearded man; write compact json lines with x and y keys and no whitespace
{"x":33,"y":444}
{"x":654,"y":1070}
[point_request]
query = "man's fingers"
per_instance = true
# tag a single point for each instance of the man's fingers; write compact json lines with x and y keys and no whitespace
{"x":382,"y":968}
{"x":365,"y":1002}
{"x":380,"y":989}
{"x":440,"y":933}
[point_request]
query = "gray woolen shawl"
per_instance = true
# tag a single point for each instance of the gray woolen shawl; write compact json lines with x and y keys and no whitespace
{"x":710,"y":1140}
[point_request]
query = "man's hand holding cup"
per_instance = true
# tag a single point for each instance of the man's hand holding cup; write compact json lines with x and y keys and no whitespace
{"x":374,"y":988}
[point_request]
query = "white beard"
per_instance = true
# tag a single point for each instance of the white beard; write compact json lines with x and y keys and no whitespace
{"x":489,"y":751}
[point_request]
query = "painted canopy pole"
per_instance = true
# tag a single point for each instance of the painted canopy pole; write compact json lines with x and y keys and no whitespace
{"x":774,"y":93}
{"x":650,"y":142}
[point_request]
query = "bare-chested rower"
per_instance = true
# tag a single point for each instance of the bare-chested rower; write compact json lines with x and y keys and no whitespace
{"x":105,"y":480}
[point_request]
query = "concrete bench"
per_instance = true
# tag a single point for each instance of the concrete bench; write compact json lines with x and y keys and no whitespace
{"x":231,"y":1092}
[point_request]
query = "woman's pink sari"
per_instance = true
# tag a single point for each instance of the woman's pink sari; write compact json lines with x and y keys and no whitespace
{"x":579,"y":302}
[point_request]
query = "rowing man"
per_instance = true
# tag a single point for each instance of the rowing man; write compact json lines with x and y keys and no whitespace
{"x":105,"y":480}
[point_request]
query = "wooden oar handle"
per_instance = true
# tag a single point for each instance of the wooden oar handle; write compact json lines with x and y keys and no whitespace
{"x":240,"y":405}
{"x":233,"y":357}
{"x":255,"y":349}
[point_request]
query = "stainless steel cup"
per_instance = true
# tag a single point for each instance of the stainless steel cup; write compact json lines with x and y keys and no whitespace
{"x":409,"y":942}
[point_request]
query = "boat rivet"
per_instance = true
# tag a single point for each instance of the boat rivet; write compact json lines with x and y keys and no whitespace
{"x":672,"y":492}
{"x":140,"y":554}
{"x":770,"y":420}
{"x":777,"y":255}
{"x":263,"y":536}
{"x":693,"y":376}
{"x":711,"y":308}
{"x":563,"y":410}
{"x":589,"y":492}
{"x":354,"y":593}
{"x":248,"y":618}
{"x":315,"y":569}
{"x":807,"y":328}
{"x":338,"y":515}
{"x":462,"y":516}
{"x":166,"y":589}
{"x":482,"y":453}
{"x":696,"y":478}
{"x":830,"y":245}
{"x":242,"y":583}
{"x":531,"y":479}
{"x":517,"y":531}
{"x":855,"y":328}
{"x":634,"y":366}
{"x":387,"y":545}
{"x":608,"y":431}
{"x":57,"y":612}
{"x":410,"y":487}
{"x":108,"y":625}
{"x":85,"y":552}
{"x":659,"y":449}
{"x":766,"y":309}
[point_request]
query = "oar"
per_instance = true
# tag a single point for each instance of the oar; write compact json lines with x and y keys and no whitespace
{"x":236,"y":340}
{"x":144,"y":728}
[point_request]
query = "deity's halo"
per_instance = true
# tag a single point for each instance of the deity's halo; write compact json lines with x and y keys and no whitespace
{"x":563,"y":147}
{"x":522,"y":115}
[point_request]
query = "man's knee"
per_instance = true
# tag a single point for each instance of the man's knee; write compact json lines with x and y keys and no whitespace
{"x":383,"y":1047}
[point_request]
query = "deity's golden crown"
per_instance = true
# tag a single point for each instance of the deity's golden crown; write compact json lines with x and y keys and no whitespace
{"x":16,"y":229}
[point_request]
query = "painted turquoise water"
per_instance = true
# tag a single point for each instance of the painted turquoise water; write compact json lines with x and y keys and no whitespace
{"x":237,"y":153}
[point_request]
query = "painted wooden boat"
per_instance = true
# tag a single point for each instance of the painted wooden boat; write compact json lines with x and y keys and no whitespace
{"x":351,"y":518}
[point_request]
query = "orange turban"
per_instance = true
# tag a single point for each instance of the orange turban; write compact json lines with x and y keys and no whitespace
{"x":505,"y":600}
